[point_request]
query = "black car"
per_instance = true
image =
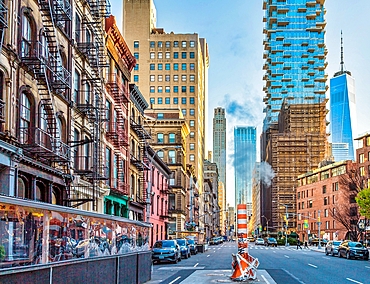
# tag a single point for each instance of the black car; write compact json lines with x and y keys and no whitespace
{"x":351,"y":249}
{"x":166,"y":250}
{"x":332,"y":247}
{"x":184,"y":247}
{"x":193,"y":246}
{"x":270,"y":242}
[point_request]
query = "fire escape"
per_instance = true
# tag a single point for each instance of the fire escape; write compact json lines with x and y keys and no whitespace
{"x":3,"y":25}
{"x":42,"y":60}
{"x":91,"y":49}
{"x":117,"y":130}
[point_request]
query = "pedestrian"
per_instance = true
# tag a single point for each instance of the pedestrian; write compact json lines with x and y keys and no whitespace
{"x":306,"y":245}
{"x":299,"y":244}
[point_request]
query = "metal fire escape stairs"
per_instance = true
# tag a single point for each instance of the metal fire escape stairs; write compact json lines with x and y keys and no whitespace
{"x":93,"y":52}
{"x":3,"y":22}
{"x":42,"y":60}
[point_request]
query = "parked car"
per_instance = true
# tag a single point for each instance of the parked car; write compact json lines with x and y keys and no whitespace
{"x":184,"y":248}
{"x":332,"y":247}
{"x":192,"y":246}
{"x":215,"y":241}
{"x":166,"y":250}
{"x":315,"y":242}
{"x":351,"y":249}
{"x":270,"y":242}
{"x":259,"y":241}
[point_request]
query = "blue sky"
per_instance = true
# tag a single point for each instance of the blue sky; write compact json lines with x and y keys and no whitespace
{"x":233,"y":30}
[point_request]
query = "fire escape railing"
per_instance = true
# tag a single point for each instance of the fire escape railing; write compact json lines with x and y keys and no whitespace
{"x":3,"y":22}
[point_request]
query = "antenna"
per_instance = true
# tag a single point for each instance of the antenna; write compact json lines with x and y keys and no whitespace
{"x":341,"y":52}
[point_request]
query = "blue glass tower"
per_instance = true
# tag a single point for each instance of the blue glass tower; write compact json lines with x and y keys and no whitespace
{"x":245,"y":148}
{"x":294,"y":53}
{"x":342,"y":113}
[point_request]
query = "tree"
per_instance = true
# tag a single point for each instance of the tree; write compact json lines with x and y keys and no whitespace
{"x":347,"y":213}
{"x":363,"y":201}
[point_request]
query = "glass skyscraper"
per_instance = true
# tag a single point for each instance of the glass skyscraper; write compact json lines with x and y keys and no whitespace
{"x":245,"y":151}
{"x":343,"y":120}
{"x":294,"y":53}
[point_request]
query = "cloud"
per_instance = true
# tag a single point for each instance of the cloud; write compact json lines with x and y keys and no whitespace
{"x":266,"y":173}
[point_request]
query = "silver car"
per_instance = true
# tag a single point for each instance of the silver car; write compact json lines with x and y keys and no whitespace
{"x":259,"y":241}
{"x":332,"y":247}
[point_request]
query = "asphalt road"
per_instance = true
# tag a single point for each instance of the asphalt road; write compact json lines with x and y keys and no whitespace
{"x":285,"y":265}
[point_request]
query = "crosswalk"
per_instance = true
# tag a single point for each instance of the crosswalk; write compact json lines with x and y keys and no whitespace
{"x":254,"y":247}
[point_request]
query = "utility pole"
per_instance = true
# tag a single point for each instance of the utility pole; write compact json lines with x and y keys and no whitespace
{"x":319,"y":227}
{"x":191,"y":200}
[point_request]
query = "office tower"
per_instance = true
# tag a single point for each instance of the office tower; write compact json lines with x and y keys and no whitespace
{"x":294,"y":53}
{"x":245,"y":151}
{"x":342,"y":112}
{"x":219,"y":143}
{"x":295,"y":79}
{"x":171,"y":72}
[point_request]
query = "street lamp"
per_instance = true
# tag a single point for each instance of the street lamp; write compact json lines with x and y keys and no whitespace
{"x":286,"y":224}
{"x":267,"y":223}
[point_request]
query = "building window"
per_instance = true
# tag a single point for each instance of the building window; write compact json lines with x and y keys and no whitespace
{"x":136,"y":68}
{"x":76,"y":86}
{"x":326,"y":213}
{"x":326,"y":201}
{"x":152,"y":100}
{"x":192,"y":55}
{"x":176,"y":66}
{"x":335,"y":186}
{"x":136,"y":78}
{"x":175,"y":78}
{"x":192,"y":100}
{"x":183,"y":100}
{"x":192,"y":89}
{"x":160,"y":78}
{"x":168,"y":55}
{"x":160,"y":138}
{"x":160,"y":89}
{"x":160,"y":66}
{"x":167,"y":89}
{"x":183,"y":43}
{"x":368,"y":141}
{"x":183,"y":111}
{"x":362,"y":171}
{"x":183,"y":89}
{"x":152,"y":89}
{"x":192,"y":134}
{"x":175,"y":101}
{"x":192,"y":43}
{"x":168,"y":44}
{"x":361,"y":158}
{"x":136,"y":44}
{"x":171,"y":138}
{"x":167,"y":100}
{"x":160,"y":115}
{"x":160,"y":101}
{"x":160,"y":154}
{"x":175,"y":55}
{"x":183,"y":78}
{"x":175,"y":89}
{"x":25,"y":118}
{"x":167,"y":66}
{"x":108,"y":165}
{"x":192,"y":66}
{"x":192,"y":146}
{"x":192,"y":157}
{"x":152,"y":55}
{"x":183,"y":55}
{"x":160,"y":44}
{"x":192,"y":78}
{"x":172,"y":156}
{"x":152,"y":78}
{"x":167,"y":78}
{"x":152,"y":44}
{"x":160,"y":55}
{"x":175,"y":43}
{"x":183,"y":66}
{"x":323,"y":189}
{"x":152,"y":66}
{"x":192,"y":112}
{"x":136,"y":55}
{"x":192,"y":123}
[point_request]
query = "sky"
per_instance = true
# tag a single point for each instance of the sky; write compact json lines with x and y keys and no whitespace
{"x":233,"y":30}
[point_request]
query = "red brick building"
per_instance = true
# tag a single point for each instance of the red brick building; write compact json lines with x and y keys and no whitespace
{"x":363,"y":157}
{"x":321,"y":191}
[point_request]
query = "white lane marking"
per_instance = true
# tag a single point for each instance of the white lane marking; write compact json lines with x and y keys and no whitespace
{"x":314,"y":266}
{"x":195,"y":265}
{"x":367,"y":266}
{"x":175,"y":280}
{"x":219,"y":248}
{"x":291,"y":275}
{"x":208,"y":255}
{"x":326,"y":257}
{"x":264,"y":279}
{"x":274,"y":251}
{"x":286,"y":256}
{"x":349,"y":279}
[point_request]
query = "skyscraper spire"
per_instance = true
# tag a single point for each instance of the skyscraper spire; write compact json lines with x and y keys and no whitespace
{"x":341,"y":52}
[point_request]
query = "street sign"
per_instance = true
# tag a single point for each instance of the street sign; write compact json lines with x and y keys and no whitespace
{"x":361,"y":225}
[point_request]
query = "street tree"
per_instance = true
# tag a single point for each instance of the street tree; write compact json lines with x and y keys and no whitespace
{"x":363,"y":201}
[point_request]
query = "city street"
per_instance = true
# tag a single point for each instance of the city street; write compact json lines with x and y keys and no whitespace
{"x":277,"y":265}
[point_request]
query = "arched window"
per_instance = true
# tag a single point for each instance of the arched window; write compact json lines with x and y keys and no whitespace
{"x":2,"y":103}
{"x":54,"y":197}
{"x":38,"y":193}
{"x":76,"y":88}
{"x":26,"y":44}
{"x":87,"y":93}
{"x":22,"y":187}
{"x":25,"y":118}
